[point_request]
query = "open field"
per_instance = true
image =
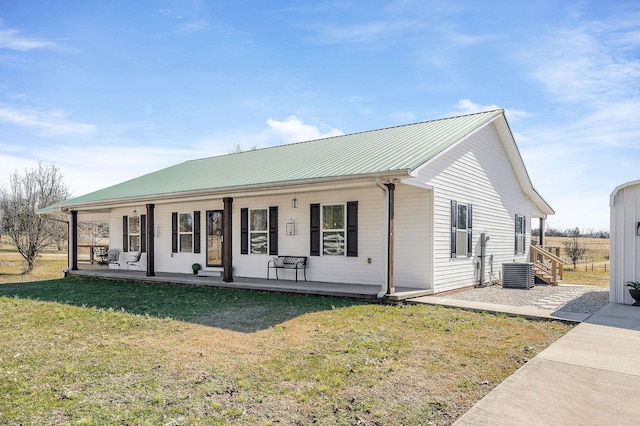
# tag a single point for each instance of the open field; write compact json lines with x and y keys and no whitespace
{"x":594,"y":269}
{"x":93,"y":352}
{"x":48,"y":265}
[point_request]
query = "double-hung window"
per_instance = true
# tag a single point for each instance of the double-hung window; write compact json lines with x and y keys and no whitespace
{"x":521,"y":232}
{"x":185,"y":232}
{"x":134,"y":233}
{"x":258,"y":231}
{"x":461,"y":229}
{"x":333,"y":229}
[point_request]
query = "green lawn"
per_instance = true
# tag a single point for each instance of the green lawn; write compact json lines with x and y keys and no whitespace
{"x":76,"y":351}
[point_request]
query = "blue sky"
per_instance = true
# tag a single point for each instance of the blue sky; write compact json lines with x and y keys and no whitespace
{"x":110,"y":90}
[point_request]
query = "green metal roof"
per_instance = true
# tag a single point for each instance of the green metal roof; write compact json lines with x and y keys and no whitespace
{"x":376,"y":152}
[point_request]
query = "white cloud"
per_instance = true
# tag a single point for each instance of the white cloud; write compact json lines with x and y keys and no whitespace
{"x":466,"y":106}
{"x":593,"y":61}
{"x":294,"y":130}
{"x":10,"y":39}
{"x":364,"y":33}
{"x":50,"y":123}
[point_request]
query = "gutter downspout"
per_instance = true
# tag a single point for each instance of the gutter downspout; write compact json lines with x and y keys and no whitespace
{"x":385,"y":281}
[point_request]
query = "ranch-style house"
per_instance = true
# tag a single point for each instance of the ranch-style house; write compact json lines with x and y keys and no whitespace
{"x":434,"y":206}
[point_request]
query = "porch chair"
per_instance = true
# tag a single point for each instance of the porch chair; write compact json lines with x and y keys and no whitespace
{"x":134,"y":261}
{"x":113,"y":258}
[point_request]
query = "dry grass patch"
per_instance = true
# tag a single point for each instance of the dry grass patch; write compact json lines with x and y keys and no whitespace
{"x":594,"y":269}
{"x":48,"y":265}
{"x":71,"y":357}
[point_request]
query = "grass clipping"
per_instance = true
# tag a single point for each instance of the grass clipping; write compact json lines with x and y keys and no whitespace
{"x":249,"y":358}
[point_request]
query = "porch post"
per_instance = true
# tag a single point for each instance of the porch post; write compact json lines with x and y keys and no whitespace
{"x":542,"y":231}
{"x":227,"y":240}
{"x":150,"y":241}
{"x":390,"y":239}
{"x":74,"y":240}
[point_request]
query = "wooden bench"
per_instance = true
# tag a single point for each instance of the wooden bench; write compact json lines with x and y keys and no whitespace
{"x":288,"y":262}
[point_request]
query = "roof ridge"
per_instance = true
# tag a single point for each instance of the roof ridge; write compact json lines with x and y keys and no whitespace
{"x":348,"y":134}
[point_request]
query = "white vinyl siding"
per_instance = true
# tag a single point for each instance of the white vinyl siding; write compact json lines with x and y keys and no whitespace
{"x":477,"y":171}
{"x":413,"y":264}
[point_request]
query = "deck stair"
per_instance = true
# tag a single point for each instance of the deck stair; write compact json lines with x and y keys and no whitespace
{"x":546,"y":266}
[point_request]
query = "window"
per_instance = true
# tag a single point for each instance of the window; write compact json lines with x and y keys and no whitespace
{"x":258,"y":231}
{"x":185,"y":232}
{"x":134,"y":233}
{"x":461,"y":229}
{"x":521,"y":232}
{"x":333,"y":229}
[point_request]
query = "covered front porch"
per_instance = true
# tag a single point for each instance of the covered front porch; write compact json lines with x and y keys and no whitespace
{"x":357,"y":291}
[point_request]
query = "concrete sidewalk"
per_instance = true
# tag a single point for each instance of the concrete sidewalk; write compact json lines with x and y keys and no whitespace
{"x":590,"y":376}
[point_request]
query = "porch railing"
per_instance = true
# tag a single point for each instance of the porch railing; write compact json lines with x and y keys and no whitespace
{"x":548,"y":267}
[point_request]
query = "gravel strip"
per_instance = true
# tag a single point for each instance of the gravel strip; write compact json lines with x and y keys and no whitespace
{"x":569,"y":298}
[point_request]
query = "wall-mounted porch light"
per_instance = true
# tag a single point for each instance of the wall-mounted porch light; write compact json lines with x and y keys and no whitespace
{"x":291,"y":227}
{"x":135,"y":213}
{"x":294,"y":202}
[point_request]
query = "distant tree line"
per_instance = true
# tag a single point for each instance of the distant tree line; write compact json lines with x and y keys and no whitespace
{"x":572,"y":232}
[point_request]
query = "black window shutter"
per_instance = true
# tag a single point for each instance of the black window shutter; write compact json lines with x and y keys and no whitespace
{"x":125,"y":233}
{"x":352,"y":228}
{"x":143,"y":233}
{"x":454,"y":226}
{"x":315,"y":230}
{"x":244,"y":231}
{"x":469,"y":230}
{"x":174,"y":232}
{"x":273,"y":231}
{"x":196,"y":232}
{"x":515,"y":247}
{"x":524,"y":234}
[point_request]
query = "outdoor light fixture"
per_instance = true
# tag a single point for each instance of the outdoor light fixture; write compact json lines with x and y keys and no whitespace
{"x":135,"y":213}
{"x":291,"y":226}
{"x":294,"y":202}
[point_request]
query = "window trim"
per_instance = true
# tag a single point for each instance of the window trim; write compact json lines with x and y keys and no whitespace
{"x":181,"y":233}
{"x":134,"y":234}
{"x":264,"y":231}
{"x":342,"y":231}
{"x":520,"y":219}
{"x":454,"y":212}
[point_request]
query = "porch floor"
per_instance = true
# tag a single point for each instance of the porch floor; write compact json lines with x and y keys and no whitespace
{"x":358,"y":291}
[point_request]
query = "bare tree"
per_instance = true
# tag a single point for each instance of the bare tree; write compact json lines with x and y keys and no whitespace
{"x":574,"y":249}
{"x":36,"y":189}
{"x":238,"y":149}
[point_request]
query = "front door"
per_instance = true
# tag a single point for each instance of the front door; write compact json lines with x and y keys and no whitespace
{"x":214,"y":238}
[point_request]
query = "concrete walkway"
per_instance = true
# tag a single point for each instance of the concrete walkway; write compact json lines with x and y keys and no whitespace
{"x":590,"y":376}
{"x":522,"y":311}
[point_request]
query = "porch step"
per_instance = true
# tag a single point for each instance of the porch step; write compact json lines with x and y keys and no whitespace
{"x":211,"y":272}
